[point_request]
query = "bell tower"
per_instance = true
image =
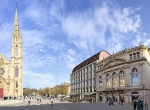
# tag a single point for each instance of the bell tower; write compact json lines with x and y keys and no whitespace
{"x":16,"y":58}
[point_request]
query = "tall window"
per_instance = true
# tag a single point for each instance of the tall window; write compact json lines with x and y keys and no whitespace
{"x":100,"y":82}
{"x":16,"y":72}
{"x":114,"y":80}
{"x":121,"y":77}
{"x":130,"y":56}
{"x":134,"y":77}
{"x":16,"y":50}
{"x":108,"y":81}
{"x":134,"y":56}
{"x":138,"y":54}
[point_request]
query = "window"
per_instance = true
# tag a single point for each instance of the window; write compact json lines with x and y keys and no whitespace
{"x":138,"y":54}
{"x":134,"y":77}
{"x":16,"y":72}
{"x":134,"y":56}
{"x":16,"y":84}
{"x":130,"y":56}
{"x":108,"y":81}
{"x":100,"y":82}
{"x":114,"y":80}
{"x":121,"y":77}
{"x":16,"y":50}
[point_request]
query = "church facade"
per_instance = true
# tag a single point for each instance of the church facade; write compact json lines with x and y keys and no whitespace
{"x":11,"y":77}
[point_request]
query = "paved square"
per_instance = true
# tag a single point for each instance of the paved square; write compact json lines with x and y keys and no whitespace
{"x":70,"y":106}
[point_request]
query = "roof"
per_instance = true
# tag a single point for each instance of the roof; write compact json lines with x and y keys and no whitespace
{"x":89,"y":60}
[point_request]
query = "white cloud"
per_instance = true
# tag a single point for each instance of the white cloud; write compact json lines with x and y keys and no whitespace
{"x":36,"y":80}
{"x":70,"y":57}
{"x":89,"y":28}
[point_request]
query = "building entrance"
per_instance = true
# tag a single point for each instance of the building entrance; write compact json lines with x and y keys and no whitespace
{"x":1,"y":92}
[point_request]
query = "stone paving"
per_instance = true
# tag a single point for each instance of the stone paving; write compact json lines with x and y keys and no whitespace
{"x":45,"y":105}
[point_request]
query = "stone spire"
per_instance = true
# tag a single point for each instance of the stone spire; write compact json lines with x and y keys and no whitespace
{"x":16,"y":23}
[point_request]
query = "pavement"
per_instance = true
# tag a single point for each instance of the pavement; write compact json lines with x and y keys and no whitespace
{"x":25,"y":103}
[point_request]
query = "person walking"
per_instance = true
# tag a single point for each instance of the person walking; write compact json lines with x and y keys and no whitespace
{"x":110,"y":101}
{"x":121,"y":101}
{"x":134,"y":104}
{"x":140,"y":104}
{"x":52,"y":102}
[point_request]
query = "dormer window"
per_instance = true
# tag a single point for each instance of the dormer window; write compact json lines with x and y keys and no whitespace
{"x":134,"y":56}
{"x":138,"y":54}
{"x":130,"y":56}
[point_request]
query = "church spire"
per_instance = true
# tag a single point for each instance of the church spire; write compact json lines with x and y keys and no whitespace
{"x":16,"y":23}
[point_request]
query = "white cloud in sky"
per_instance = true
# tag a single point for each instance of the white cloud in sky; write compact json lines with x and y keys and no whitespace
{"x":70,"y":57}
{"x":51,"y":35}
{"x":89,"y":28}
{"x":36,"y":80}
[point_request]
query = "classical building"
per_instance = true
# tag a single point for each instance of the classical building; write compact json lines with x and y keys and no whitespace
{"x":83,"y":77}
{"x":11,"y":82}
{"x":124,"y":75}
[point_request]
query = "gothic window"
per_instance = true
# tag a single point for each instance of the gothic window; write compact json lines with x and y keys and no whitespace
{"x":108,"y":81}
{"x":134,"y":77}
{"x":114,"y":80}
{"x":16,"y":84}
{"x":16,"y":72}
{"x":100,"y":82}
{"x":16,"y":50}
{"x":121,"y":77}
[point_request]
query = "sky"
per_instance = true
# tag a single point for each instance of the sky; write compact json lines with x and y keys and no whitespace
{"x":59,"y":34}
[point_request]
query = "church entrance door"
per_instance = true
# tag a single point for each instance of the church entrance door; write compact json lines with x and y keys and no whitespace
{"x":1,"y":92}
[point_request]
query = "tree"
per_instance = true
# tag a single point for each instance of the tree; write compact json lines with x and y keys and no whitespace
{"x":41,"y":92}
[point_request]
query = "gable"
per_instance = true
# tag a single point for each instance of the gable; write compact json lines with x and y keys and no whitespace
{"x":112,"y":62}
{"x":3,"y":60}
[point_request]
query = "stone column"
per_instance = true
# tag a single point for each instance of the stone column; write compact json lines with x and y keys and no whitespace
{"x":104,"y":98}
{"x":97,"y":97}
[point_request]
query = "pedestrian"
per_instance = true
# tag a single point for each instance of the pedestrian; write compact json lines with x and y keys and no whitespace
{"x":78,"y":100}
{"x":134,"y":104}
{"x":121,"y":101}
{"x":110,"y":101}
{"x":52,"y":102}
{"x":140,"y":104}
{"x":40,"y":100}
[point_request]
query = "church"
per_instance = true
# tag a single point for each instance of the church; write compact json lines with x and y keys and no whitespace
{"x":11,"y":82}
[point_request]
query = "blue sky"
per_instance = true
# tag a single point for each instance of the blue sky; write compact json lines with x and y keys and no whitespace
{"x":59,"y":34}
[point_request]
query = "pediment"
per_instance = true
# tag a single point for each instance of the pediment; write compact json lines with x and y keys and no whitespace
{"x":3,"y":59}
{"x":112,"y":62}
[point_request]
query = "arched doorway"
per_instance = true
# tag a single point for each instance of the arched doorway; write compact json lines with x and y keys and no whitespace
{"x":135,"y":95}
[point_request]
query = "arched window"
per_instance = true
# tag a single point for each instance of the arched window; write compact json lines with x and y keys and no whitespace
{"x":108,"y":81}
{"x":134,"y":77}
{"x":114,"y":80}
{"x":121,"y":78}
{"x":16,"y":72}
{"x":100,"y":82}
{"x":16,"y":84}
{"x":16,"y":50}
